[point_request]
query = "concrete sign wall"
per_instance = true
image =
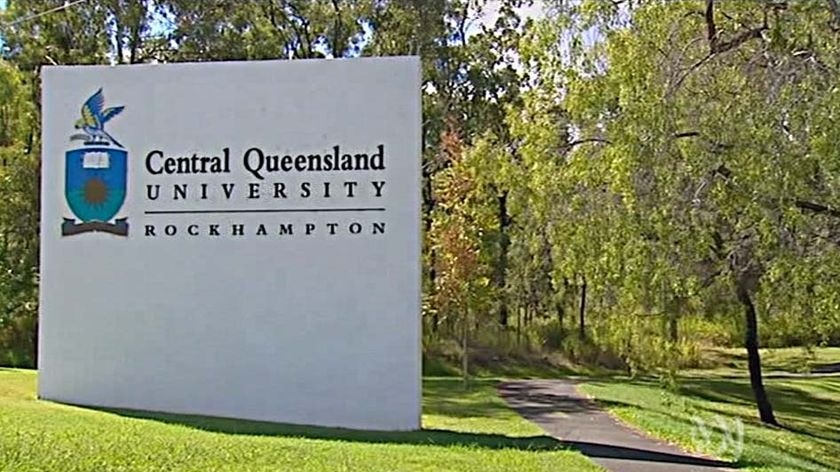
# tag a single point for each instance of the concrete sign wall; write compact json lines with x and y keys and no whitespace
{"x":234,"y":239}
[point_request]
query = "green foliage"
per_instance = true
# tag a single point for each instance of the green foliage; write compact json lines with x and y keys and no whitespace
{"x":19,"y":262}
{"x":263,"y":29}
{"x":18,"y":222}
{"x":667,"y":169}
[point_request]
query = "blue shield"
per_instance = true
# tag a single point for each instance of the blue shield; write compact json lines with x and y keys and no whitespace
{"x":95,"y":182}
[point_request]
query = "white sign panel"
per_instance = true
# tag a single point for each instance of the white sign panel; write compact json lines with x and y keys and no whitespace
{"x":234,"y":239}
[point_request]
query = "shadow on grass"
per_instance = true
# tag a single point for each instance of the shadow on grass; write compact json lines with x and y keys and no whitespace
{"x":424,"y":437}
{"x":448,"y":397}
{"x":792,"y":399}
{"x":441,"y":396}
{"x":490,"y":365}
{"x":536,"y":405}
{"x":826,"y":368}
{"x":603,"y":451}
{"x":542,"y":406}
{"x":428,"y":437}
{"x":797,"y":409}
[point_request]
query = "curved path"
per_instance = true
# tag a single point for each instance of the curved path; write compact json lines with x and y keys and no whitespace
{"x":574,"y":419}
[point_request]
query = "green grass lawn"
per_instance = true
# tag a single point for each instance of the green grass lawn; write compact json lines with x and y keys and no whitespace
{"x":808,"y":409}
{"x":463,"y":431}
{"x":733,"y":361}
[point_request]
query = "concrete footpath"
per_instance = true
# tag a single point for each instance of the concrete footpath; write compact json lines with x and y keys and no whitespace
{"x":558,"y":408}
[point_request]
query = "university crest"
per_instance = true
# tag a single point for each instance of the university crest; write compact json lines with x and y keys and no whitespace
{"x":95,"y":173}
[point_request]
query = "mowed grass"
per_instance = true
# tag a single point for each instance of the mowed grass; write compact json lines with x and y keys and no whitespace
{"x":733,"y":361}
{"x":463,"y":431}
{"x":808,"y":408}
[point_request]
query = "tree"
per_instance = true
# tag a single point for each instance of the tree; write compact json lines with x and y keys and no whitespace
{"x":457,"y":229}
{"x":267,"y":29}
{"x":707,"y":127}
{"x":74,"y":35}
{"x":19,"y":221}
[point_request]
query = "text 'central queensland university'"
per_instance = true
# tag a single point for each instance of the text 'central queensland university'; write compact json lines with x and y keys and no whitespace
{"x":335,"y":181}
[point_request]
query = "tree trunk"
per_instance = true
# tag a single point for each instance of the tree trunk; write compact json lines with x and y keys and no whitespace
{"x":465,"y":354}
{"x":432,"y":277}
{"x":428,"y":207}
{"x":674,"y":320}
{"x":529,"y":312}
{"x":765,"y":409}
{"x":503,"y":312}
{"x":562,"y":304}
{"x":135,"y":44}
{"x":673,"y":327}
{"x":582,"y":314}
{"x":561,"y":310}
{"x":504,"y":245}
{"x":118,"y":40}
